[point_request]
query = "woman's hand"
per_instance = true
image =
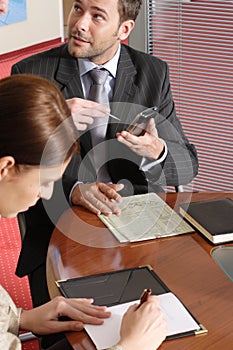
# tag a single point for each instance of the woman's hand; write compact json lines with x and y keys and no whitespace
{"x":45,"y":319}
{"x":144,"y":327}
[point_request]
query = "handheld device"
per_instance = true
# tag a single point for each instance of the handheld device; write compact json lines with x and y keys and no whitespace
{"x":139,"y":124}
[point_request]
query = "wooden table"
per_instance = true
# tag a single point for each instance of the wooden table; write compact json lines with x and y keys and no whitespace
{"x":183,"y":262}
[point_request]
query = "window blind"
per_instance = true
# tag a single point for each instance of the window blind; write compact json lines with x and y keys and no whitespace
{"x":196,"y":40}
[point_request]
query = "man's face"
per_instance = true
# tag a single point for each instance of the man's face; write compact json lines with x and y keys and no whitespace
{"x":94,"y":29}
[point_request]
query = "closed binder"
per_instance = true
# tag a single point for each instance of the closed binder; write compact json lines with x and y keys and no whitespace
{"x":213,"y":218}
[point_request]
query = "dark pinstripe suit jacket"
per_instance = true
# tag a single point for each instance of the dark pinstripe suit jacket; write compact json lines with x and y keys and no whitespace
{"x":141,"y":81}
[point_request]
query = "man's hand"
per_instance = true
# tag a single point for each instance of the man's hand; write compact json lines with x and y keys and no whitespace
{"x":45,"y":318}
{"x":98,"y":197}
{"x":149,"y":145}
{"x":83,"y":112}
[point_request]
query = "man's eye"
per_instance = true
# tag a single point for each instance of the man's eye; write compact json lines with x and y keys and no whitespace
{"x":77,"y":8}
{"x":99,"y":17}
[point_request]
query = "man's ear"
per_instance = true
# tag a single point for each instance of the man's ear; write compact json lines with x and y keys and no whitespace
{"x":125,"y":29}
{"x":6,"y":164}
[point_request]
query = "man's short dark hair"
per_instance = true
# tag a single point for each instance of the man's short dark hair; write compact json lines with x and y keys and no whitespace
{"x":128,"y":9}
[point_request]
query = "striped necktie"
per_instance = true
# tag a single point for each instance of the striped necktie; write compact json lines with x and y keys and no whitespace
{"x":98,"y":130}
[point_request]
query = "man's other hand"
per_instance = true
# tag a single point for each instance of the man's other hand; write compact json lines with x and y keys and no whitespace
{"x":98,"y":197}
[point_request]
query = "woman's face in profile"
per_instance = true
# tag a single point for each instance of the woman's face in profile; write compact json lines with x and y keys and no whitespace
{"x":22,"y":188}
{"x":3,"y":6}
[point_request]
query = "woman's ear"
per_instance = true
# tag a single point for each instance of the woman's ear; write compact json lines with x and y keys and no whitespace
{"x":125,"y":29}
{"x":6,"y":164}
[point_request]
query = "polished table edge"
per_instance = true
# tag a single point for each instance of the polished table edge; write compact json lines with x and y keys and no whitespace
{"x":173,"y":199}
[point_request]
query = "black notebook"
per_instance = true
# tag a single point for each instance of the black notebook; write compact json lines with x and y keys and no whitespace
{"x":124,"y":286}
{"x":213,"y":218}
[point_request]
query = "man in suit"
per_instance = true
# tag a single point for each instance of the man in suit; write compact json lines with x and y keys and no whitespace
{"x":162,"y":156}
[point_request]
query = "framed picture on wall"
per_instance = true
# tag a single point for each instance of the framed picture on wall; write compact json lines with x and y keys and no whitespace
{"x":12,"y":11}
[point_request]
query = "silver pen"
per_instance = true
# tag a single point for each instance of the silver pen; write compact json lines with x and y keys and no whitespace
{"x":113,"y":116}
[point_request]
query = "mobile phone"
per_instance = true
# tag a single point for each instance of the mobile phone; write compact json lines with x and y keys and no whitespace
{"x":139,"y":124}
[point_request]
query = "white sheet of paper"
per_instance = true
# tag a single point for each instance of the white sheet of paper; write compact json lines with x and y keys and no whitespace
{"x":178,"y":320}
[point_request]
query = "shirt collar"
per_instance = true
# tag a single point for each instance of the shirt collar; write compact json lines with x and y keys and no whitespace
{"x":85,"y":65}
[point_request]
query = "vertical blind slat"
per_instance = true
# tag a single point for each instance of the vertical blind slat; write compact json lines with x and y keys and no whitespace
{"x":196,"y":39}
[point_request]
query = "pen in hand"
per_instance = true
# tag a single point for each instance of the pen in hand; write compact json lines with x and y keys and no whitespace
{"x":144,"y":297}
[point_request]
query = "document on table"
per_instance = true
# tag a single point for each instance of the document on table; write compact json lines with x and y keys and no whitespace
{"x":144,"y":217}
{"x":179,"y":320}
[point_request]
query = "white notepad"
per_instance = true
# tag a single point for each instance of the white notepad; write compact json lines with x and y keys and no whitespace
{"x":179,"y":320}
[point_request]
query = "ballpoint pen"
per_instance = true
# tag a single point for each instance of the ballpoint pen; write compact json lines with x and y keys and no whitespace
{"x":113,"y":116}
{"x":144,"y":297}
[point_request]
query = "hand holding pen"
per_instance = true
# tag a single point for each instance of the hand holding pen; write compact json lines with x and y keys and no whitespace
{"x":85,"y":111}
{"x":143,"y":325}
{"x":144,"y":297}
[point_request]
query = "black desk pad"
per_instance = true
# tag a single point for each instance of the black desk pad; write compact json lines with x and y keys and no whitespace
{"x":119,"y":287}
{"x":114,"y":287}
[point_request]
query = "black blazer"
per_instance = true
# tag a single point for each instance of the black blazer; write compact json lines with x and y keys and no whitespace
{"x":142,"y":81}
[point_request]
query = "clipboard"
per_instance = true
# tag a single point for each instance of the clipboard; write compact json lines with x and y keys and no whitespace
{"x":119,"y":287}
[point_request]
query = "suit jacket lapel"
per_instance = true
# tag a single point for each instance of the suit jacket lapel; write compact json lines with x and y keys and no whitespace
{"x":124,"y":93}
{"x":68,"y":79}
{"x":68,"y":76}
{"x":125,"y":88}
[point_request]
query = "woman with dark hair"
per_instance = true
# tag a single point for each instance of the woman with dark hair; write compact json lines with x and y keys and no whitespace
{"x":37,"y":140}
